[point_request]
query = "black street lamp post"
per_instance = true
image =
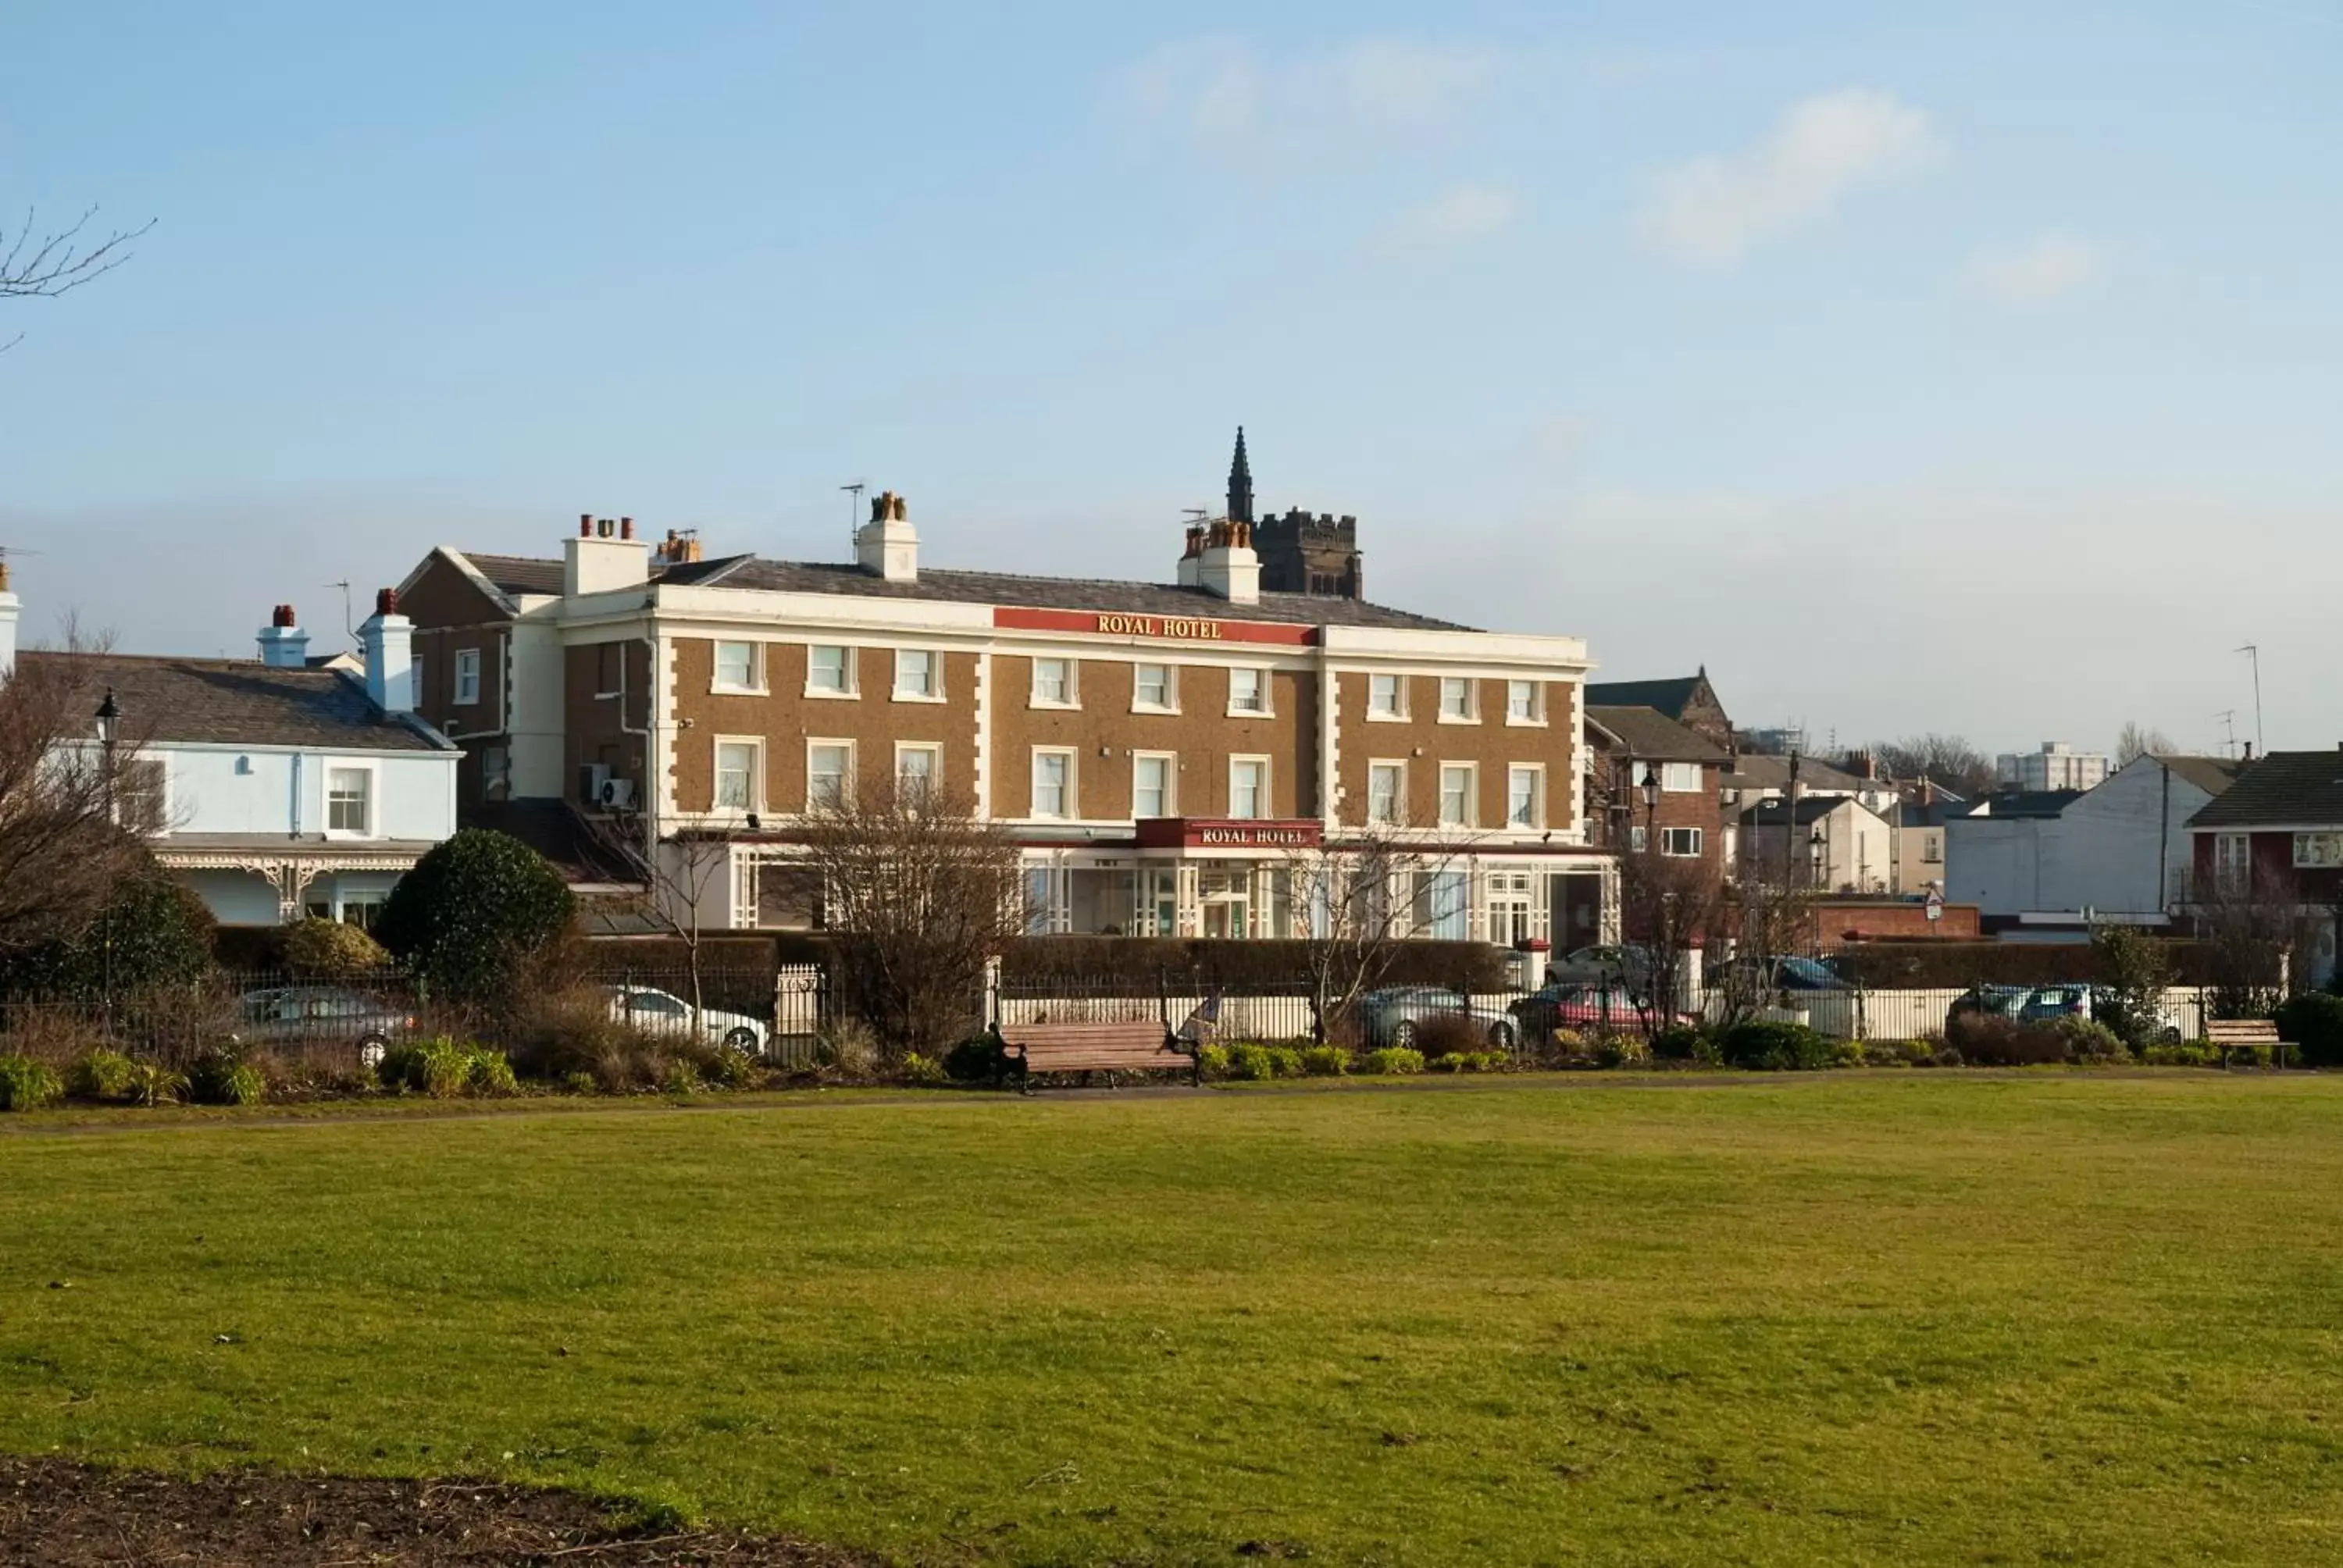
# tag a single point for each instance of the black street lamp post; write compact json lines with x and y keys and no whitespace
{"x":109,"y":727}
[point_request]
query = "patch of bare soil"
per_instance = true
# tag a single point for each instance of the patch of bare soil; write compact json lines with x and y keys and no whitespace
{"x":62,"y":1514}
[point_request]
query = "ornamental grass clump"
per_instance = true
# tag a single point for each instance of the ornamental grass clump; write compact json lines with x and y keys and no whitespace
{"x":27,"y":1084}
{"x":103,"y":1074}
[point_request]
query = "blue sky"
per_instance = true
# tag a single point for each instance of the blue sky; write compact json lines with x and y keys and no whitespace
{"x":1967,"y":368}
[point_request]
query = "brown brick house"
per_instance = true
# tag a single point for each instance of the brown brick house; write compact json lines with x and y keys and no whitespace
{"x":1631,"y":748}
{"x":2275,"y":836}
{"x":1159,"y":749}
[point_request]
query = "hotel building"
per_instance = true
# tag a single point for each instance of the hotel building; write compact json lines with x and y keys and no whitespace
{"x":1162,"y":751}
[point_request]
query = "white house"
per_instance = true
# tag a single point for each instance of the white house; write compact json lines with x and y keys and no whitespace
{"x":2119,"y":851}
{"x":276,"y":790}
{"x":1835,"y":842}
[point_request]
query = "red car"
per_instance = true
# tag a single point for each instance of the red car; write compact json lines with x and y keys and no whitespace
{"x":1583,"y":1008}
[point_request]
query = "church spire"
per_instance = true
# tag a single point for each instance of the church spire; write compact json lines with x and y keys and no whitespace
{"x":1240,"y":484}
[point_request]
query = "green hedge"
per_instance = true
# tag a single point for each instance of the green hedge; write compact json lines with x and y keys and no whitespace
{"x":1137,"y":961}
{"x":1921,"y":965}
{"x":2313,"y":1024}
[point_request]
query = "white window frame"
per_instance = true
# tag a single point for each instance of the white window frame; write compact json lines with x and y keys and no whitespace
{"x":2233,"y":861}
{"x":1472,"y":771}
{"x":468,"y":678}
{"x":1170,"y":761}
{"x":846,"y":692}
{"x":846,"y":783}
{"x":1260,"y":674}
{"x":1697,"y":843}
{"x":1069,"y":801}
{"x":1397,"y":713}
{"x":1635,"y":838}
{"x":1680,"y":777}
{"x":1264,"y":799}
{"x":618,"y":663}
{"x":1171,"y":703}
{"x":930,"y":749}
{"x":754,"y":686}
{"x":1471,"y":691}
{"x":935,"y":692}
{"x":1398,"y":817}
{"x":1535,"y":718}
{"x":161,"y":763}
{"x":1074,"y":696}
{"x":373,"y":773}
{"x":756,"y":745}
{"x":1536,"y":771}
{"x":2333,"y":856}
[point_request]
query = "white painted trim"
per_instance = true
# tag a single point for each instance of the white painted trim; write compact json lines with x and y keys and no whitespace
{"x":1268,"y":709}
{"x":760,"y":684}
{"x":1073,"y":788}
{"x":1072,"y":702}
{"x":851,"y":672}
{"x":1170,"y":670}
{"x":1264,"y":795}
{"x":1171,"y":780}
{"x":935,"y":692}
{"x":372,"y":768}
{"x":847,"y":783}
{"x":1398,"y":800}
{"x":1472,"y":795}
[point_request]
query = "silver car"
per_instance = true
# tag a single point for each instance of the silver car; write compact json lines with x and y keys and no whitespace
{"x":1391,"y":1016}
{"x":307,"y":1014}
{"x":656,"y":1012}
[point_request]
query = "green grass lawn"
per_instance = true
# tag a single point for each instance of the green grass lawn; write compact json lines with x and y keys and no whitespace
{"x":1918,"y":1318}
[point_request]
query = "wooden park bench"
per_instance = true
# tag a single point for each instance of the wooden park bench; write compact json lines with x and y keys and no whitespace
{"x":1032,"y":1050}
{"x":2229,"y":1033}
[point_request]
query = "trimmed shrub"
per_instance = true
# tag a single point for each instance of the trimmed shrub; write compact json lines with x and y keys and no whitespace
{"x":1284,"y":1060}
{"x":27,"y":1084}
{"x":1899,"y":1053}
{"x":1626,"y":1050}
{"x":472,"y":913}
{"x":1391,"y":1060}
{"x":221,"y":1079}
{"x":1212,"y":1060}
{"x":2181,"y":1053}
{"x":923,"y":1070}
{"x":1767,"y":1046}
{"x":2002,"y":1042}
{"x":103,"y":1074}
{"x":2313,"y":1024}
{"x":1683,"y":1042}
{"x":2089,"y":1041}
{"x":1470,"y":1061}
{"x":1251,"y":1063}
{"x":1326,"y":1060}
{"x":976,"y":1059}
{"x":1442,"y":1034}
{"x":329,"y":949}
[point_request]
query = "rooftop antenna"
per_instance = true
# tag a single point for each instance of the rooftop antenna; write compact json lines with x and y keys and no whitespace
{"x":2253,"y":651}
{"x":853,"y":508}
{"x":2228,"y":717}
{"x":349,"y":621}
{"x":5,"y":551}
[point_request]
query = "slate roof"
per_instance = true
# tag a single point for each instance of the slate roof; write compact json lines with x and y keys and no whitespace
{"x":2017,"y":805}
{"x":2213,"y":775}
{"x":2285,"y":787}
{"x":240,"y":702}
{"x":1756,"y":770}
{"x":1648,"y":732}
{"x":1667,"y":697}
{"x":989,"y":587}
{"x":1810,"y":809}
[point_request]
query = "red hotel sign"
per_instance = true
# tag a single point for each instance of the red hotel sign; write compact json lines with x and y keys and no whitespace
{"x":1154,"y":627}
{"x":1228,"y":833}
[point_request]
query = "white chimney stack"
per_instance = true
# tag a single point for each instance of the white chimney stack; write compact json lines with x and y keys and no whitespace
{"x":283,"y":644}
{"x":885,"y":547}
{"x":9,"y":610}
{"x":1228,"y":568}
{"x":387,"y":638}
{"x":603,"y":556}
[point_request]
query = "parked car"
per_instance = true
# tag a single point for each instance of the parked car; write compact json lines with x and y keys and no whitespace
{"x":1987,"y":1001}
{"x":1390,"y":1017}
{"x":1564,"y":1004}
{"x":1606,"y":964}
{"x":299,"y":1014}
{"x":656,"y":1012}
{"x":1784,"y":972}
{"x":2048,"y":1003}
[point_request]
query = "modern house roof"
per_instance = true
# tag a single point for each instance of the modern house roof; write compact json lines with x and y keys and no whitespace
{"x":2213,"y":775}
{"x":516,"y":574}
{"x":1649,"y":733}
{"x":2281,"y":788}
{"x":240,"y":702}
{"x":1810,"y":809}
{"x":1665,"y":697}
{"x":1757,"y":770}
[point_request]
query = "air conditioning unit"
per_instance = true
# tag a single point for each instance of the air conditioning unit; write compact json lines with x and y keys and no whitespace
{"x":593,"y":778}
{"x":619,"y":794}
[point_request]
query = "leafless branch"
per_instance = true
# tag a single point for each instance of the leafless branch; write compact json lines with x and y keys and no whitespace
{"x":60,"y":262}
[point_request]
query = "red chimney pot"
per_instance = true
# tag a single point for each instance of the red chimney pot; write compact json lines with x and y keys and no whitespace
{"x":584,"y":524}
{"x":625,"y":528}
{"x":385,"y":601}
{"x":284,"y":617}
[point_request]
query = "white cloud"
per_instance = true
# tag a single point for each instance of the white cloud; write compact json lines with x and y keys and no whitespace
{"x":1464,"y":214}
{"x":2052,"y":265}
{"x":1220,"y":94}
{"x":1713,"y":210}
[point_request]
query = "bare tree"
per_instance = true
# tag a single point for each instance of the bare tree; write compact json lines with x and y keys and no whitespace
{"x":62,"y":854}
{"x":1358,"y":900}
{"x":1947,"y":758}
{"x":1669,"y":905}
{"x":37,"y":266}
{"x":675,"y":878}
{"x":1770,"y":917}
{"x":2137,"y":741}
{"x":920,"y":895}
{"x":2251,"y":926}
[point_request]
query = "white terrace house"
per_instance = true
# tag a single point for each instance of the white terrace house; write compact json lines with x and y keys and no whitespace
{"x":276,"y":790}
